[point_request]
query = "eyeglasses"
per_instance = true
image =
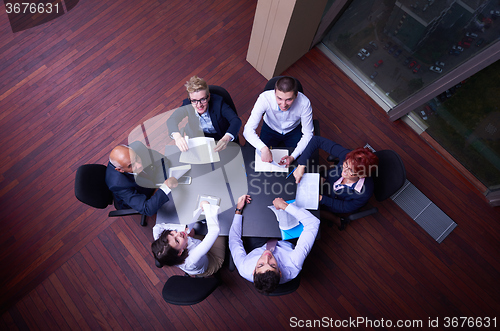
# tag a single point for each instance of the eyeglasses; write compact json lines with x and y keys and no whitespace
{"x":345,"y":166}
{"x":202,"y":101}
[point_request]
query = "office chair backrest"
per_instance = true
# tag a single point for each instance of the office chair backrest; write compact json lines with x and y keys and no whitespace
{"x":219,"y":90}
{"x":90,"y":186}
{"x":272,"y":82}
{"x":391,"y":174}
{"x":185,"y":290}
{"x":91,"y":189}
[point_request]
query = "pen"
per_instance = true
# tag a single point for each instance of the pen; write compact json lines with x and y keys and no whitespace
{"x":291,"y":173}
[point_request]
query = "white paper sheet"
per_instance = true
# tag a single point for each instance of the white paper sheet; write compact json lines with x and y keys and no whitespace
{"x":273,"y":166}
{"x":201,"y":150}
{"x":285,"y":220}
{"x":307,"y":195}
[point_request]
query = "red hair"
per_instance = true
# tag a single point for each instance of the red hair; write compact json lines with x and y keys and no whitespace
{"x":363,"y":161}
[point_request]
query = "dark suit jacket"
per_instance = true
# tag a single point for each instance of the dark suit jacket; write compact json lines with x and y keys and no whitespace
{"x":224,"y":119}
{"x":128,"y":194}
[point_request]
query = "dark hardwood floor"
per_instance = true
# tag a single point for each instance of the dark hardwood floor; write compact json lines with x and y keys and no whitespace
{"x":73,"y":88}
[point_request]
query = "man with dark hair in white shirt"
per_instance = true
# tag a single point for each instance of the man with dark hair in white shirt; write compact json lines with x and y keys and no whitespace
{"x":269,"y":265}
{"x":287,"y":119}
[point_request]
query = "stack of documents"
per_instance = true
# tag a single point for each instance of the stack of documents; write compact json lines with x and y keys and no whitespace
{"x":290,"y":227}
{"x":307,"y":195}
{"x":201,"y":150}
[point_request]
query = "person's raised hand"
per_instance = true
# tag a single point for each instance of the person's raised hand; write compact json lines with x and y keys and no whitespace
{"x":279,"y":203}
{"x":203,"y":204}
{"x":243,"y":200}
{"x":222,"y":144}
{"x":266,"y":155}
{"x":286,"y":160}
{"x":171,"y":182}
{"x":299,"y":172}
{"x":180,"y":142}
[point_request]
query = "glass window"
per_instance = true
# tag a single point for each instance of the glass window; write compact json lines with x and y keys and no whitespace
{"x":468,"y":126}
{"x":399,"y":47}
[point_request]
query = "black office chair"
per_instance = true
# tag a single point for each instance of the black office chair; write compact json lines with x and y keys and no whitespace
{"x":91,"y":189}
{"x":220,"y":91}
{"x":389,"y":178}
{"x":186,"y":290}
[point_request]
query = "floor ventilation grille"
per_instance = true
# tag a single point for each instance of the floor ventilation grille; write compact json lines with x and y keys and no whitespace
{"x":423,"y":211}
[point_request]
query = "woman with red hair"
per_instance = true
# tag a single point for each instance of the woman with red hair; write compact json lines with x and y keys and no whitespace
{"x":349,"y":185}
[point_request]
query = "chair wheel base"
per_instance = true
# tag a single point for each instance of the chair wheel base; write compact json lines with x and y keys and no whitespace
{"x":343,"y":223}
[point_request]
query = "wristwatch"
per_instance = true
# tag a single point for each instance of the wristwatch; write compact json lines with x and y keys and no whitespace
{"x":238,"y":211}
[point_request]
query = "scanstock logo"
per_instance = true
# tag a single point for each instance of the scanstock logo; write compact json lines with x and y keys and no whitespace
{"x":26,"y":14}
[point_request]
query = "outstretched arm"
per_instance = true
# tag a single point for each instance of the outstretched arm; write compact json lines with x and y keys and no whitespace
{"x":308,"y":235}
{"x":202,"y":249}
{"x":249,"y":133}
{"x":307,"y":130}
{"x":235,"y":242}
{"x":233,"y":119}
{"x":140,"y":202}
{"x":327,"y":145}
{"x":173,"y":126}
{"x":177,"y":116}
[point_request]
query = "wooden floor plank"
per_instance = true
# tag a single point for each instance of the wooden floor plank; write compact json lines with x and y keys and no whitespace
{"x":114,"y":283}
{"x":14,"y":320}
{"x":48,"y":322}
{"x":88,"y":292}
{"x":55,"y":291}
{"x":31,"y":316}
{"x":102,"y":289}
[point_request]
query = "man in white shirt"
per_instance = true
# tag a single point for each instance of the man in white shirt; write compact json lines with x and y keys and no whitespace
{"x":287,"y":119}
{"x":267,"y":268}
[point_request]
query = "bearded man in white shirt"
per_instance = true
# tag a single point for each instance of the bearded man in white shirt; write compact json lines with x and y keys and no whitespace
{"x":287,"y":120}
